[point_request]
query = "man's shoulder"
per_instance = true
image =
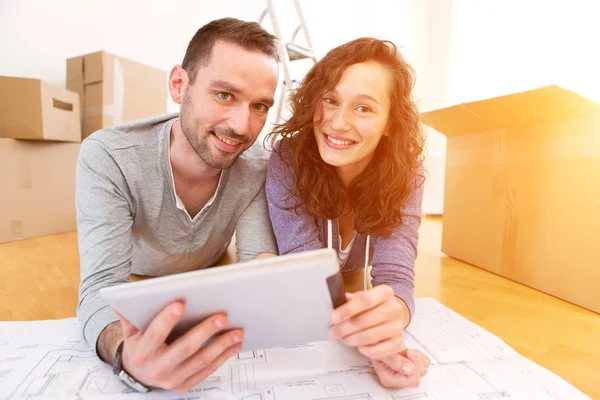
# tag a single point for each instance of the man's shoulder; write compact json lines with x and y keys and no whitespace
{"x":251,"y":164}
{"x":250,"y":169}
{"x":131,"y":134}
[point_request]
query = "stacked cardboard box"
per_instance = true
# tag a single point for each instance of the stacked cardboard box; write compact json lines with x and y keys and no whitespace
{"x":38,"y":185}
{"x":34,"y":109}
{"x":41,"y":127}
{"x":37,"y":174}
{"x":113,"y":90}
{"x":522,"y":193}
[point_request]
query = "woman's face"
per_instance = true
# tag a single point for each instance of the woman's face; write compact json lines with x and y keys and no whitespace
{"x":355,"y":115}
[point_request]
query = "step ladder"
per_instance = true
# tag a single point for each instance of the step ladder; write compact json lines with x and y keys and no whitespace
{"x":289,"y":51}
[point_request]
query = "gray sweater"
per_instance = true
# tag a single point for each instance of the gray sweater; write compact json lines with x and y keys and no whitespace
{"x":392,"y":257}
{"x":130,"y":220}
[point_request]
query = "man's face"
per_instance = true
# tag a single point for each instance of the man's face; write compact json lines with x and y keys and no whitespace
{"x":224,"y":110}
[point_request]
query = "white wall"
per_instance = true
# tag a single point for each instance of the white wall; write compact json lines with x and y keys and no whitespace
{"x":431,"y":34}
{"x":505,"y":46}
{"x":43,"y":34}
{"x":39,"y":35}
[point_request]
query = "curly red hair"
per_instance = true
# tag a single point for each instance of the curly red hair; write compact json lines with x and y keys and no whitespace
{"x":378,"y":194}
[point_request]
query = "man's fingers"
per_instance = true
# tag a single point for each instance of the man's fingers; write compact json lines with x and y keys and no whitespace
{"x":187,"y":347}
{"x":361,"y":302}
{"x":157,"y":332}
{"x":210,"y":369}
{"x":207,"y":356}
{"x":128,"y":329}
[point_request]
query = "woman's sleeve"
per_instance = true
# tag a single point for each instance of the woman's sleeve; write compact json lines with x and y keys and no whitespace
{"x":295,"y":230}
{"x":394,"y":256}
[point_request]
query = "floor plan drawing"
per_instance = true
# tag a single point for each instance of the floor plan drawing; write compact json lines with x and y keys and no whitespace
{"x":72,"y":369}
{"x":242,"y":378}
{"x":251,"y":357}
{"x":50,"y":360}
{"x":360,"y":396}
{"x":416,"y":396}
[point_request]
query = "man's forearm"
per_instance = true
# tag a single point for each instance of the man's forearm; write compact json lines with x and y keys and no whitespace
{"x":108,"y":341}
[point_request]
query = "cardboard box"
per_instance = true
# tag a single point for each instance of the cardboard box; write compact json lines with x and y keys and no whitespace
{"x":114,"y":90}
{"x":522,"y":190}
{"x":38,"y":188}
{"x":34,"y":109}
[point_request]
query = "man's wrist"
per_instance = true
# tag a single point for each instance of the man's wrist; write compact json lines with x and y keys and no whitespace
{"x":109,"y":340}
{"x":124,"y":375}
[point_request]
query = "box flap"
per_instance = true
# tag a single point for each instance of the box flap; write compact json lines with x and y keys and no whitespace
{"x":538,"y":106}
{"x":93,"y":68}
{"x":20,"y":108}
{"x":75,"y":77}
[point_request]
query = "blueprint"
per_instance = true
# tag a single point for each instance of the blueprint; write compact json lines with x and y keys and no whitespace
{"x":50,"y":360}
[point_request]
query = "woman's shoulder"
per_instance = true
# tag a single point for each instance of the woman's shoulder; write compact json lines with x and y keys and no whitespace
{"x":281,"y":155}
{"x":280,"y":174}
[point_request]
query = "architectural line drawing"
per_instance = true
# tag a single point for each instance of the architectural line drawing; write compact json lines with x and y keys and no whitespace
{"x":360,"y":396}
{"x":416,"y":396}
{"x":50,"y":360}
{"x":78,"y":370}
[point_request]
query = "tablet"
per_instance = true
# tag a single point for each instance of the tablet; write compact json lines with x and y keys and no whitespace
{"x":278,"y":301}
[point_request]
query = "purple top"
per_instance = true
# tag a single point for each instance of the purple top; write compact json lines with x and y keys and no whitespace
{"x":392,"y":257}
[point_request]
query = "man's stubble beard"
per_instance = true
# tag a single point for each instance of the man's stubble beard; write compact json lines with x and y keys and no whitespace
{"x":200,"y":142}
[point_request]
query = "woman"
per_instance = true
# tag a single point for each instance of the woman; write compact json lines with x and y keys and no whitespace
{"x":347,"y":175}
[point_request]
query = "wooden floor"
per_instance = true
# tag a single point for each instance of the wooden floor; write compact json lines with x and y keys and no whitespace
{"x":39,"y":280}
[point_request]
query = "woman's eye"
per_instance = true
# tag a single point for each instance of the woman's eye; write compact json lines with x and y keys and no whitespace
{"x":223,"y":95}
{"x":329,"y":100}
{"x":364,"y":109}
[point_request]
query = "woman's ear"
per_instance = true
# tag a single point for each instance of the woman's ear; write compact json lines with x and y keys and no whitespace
{"x":387,"y":130}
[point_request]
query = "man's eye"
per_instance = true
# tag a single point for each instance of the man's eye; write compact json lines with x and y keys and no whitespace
{"x":223,"y":95}
{"x":260,"y":107}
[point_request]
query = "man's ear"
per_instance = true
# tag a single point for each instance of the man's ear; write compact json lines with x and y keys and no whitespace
{"x":178,"y":83}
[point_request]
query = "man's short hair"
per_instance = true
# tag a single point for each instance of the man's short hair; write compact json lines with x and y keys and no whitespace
{"x":248,"y":35}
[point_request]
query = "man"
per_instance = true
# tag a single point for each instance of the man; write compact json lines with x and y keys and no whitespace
{"x":164,"y":195}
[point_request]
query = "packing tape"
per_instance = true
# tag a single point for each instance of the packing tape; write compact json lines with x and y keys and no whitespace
{"x":118,"y":91}
{"x":501,"y":190}
{"x":112,"y":110}
{"x":510,"y":234}
{"x":498,"y":182}
{"x":16,"y":229}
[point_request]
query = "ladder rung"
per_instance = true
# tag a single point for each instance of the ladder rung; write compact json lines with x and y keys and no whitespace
{"x":297,"y":52}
